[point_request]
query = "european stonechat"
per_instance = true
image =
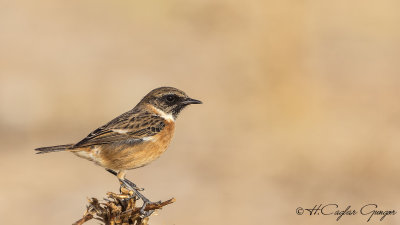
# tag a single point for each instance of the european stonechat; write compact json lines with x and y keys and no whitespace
{"x":133,"y":139}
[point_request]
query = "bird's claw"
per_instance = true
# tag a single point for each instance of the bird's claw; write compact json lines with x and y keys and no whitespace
{"x":148,"y":213}
{"x":131,"y":186}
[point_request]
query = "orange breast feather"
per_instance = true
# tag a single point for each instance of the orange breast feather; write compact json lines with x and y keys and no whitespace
{"x":125,"y":157}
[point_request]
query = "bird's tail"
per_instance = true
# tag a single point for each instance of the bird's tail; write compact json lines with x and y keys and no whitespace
{"x":57,"y":148}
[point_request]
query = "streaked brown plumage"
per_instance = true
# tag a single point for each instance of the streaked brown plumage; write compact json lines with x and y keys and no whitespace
{"x":134,"y":138}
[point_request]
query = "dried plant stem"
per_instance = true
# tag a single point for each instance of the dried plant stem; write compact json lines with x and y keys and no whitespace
{"x":118,"y":209}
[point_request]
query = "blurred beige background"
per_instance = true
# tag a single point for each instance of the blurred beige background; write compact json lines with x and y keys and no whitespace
{"x":301,"y":106}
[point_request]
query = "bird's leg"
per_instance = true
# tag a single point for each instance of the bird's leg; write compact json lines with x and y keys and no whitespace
{"x":125,"y":183}
{"x":130,"y":185}
{"x":121,"y":176}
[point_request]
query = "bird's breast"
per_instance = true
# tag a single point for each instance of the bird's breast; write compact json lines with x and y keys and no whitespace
{"x":130,"y":156}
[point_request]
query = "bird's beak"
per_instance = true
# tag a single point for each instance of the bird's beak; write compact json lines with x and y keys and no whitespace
{"x":189,"y":101}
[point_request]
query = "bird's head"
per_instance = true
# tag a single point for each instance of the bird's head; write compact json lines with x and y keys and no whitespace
{"x":168,"y":100}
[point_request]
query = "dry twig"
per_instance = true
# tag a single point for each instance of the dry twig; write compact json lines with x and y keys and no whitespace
{"x":118,"y":209}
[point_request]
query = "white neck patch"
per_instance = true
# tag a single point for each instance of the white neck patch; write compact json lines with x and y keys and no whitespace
{"x":167,"y":117}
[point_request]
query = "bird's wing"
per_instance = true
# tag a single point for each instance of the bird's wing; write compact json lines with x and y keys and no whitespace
{"x":130,"y":127}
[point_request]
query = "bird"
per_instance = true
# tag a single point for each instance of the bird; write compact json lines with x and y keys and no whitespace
{"x":133,"y":139}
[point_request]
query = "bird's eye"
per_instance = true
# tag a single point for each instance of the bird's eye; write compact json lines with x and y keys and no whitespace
{"x":170,"y":98}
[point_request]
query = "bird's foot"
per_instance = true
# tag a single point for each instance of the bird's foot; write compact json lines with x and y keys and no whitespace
{"x":143,"y":211}
{"x":131,"y":186}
